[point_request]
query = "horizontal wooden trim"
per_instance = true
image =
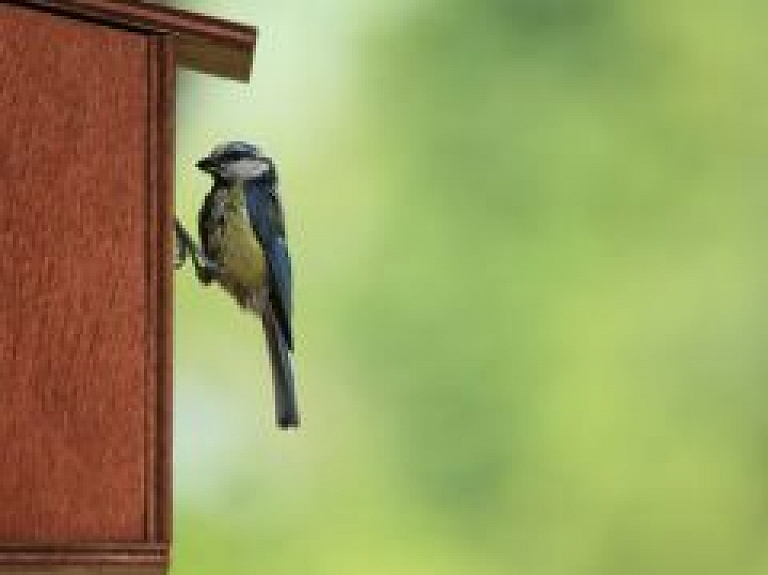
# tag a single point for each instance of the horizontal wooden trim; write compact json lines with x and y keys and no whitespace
{"x":133,"y":554}
{"x":204,"y":44}
{"x":83,"y":570}
{"x":84,"y":547}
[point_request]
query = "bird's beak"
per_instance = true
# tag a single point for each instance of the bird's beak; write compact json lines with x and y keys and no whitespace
{"x":207,"y":165}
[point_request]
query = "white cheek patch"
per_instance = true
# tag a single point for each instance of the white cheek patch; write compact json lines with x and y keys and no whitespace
{"x":247,"y":168}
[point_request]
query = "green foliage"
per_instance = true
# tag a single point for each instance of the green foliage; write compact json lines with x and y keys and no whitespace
{"x":529,"y":242}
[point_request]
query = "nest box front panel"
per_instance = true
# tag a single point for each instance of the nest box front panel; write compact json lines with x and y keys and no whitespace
{"x":77,"y":325}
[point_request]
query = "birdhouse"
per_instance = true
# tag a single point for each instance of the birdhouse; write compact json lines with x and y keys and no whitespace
{"x":86,"y":244}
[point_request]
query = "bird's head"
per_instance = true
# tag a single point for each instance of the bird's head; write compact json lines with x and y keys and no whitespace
{"x":237,"y":161}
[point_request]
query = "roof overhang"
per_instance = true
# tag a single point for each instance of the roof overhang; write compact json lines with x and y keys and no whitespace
{"x":204,"y":44}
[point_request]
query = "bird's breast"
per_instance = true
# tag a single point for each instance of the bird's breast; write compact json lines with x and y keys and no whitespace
{"x":235,"y":248}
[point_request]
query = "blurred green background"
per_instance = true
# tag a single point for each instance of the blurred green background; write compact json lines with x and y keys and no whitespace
{"x":530,"y":261}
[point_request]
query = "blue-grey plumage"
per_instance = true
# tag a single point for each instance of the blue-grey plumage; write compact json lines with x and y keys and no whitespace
{"x":243,"y":236}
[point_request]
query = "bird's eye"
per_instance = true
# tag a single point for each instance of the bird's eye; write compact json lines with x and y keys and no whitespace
{"x":237,"y":156}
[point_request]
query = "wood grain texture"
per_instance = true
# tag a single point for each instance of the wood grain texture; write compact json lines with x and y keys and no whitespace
{"x":77,"y":372}
{"x":86,"y":200}
{"x":201,"y":43}
{"x":160,"y":150}
{"x":94,"y":556}
{"x":83,"y":570}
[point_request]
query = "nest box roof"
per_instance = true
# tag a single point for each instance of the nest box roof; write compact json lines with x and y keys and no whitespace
{"x":204,"y":44}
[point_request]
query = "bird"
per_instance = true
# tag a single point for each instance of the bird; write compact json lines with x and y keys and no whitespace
{"x":243,"y":248}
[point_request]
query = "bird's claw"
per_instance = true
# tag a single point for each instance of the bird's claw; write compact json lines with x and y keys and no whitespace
{"x":205,"y":270}
{"x":182,"y":251}
{"x":184,"y":245}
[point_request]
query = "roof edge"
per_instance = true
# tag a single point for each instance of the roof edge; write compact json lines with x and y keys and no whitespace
{"x":203,"y":43}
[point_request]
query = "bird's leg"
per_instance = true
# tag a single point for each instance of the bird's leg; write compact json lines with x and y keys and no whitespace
{"x":182,"y":248}
{"x":185,"y":245}
{"x":205,"y":270}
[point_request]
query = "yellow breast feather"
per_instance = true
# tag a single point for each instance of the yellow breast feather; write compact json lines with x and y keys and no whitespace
{"x":240,"y":258}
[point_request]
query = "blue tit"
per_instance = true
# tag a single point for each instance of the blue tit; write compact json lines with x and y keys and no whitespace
{"x":243,"y":249}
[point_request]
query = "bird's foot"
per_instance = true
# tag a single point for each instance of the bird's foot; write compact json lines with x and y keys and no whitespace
{"x":205,"y":270}
{"x":182,"y":252}
{"x":185,"y":246}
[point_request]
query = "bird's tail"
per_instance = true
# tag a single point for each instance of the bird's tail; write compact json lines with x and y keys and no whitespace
{"x":287,"y":411}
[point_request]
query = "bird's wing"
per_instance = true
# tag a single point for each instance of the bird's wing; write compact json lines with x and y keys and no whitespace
{"x":266,"y":219}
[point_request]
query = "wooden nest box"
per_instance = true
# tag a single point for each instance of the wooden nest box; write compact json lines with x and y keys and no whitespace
{"x":86,"y":258}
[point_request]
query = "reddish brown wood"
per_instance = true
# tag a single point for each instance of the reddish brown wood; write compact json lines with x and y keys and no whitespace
{"x":86,"y":203}
{"x":134,"y":554}
{"x":74,"y":324}
{"x":161,"y":153}
{"x":202,"y":43}
{"x":85,"y":299}
{"x":85,"y":570}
